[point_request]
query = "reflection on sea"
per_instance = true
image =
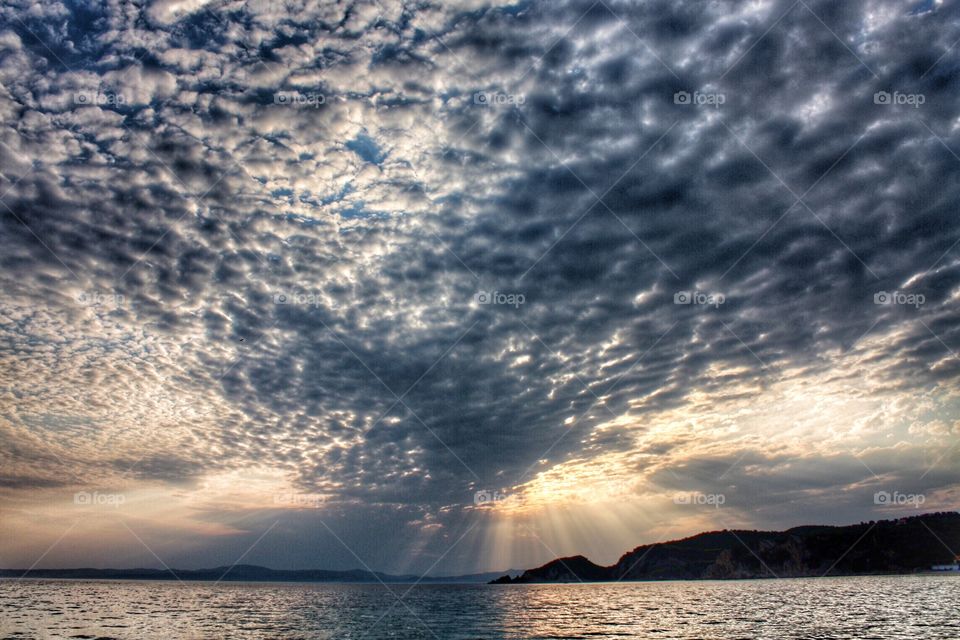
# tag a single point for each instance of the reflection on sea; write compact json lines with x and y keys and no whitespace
{"x":893,"y":607}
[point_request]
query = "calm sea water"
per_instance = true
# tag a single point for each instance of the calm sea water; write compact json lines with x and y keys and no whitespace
{"x":913,"y":607}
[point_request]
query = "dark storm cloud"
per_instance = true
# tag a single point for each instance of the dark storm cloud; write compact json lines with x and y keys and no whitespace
{"x":301,"y":279}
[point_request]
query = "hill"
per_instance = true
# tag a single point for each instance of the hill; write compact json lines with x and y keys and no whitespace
{"x":242,"y":573}
{"x":906,"y":545}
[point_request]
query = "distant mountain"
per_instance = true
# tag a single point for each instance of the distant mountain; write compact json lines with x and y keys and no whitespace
{"x":471,"y":578}
{"x":906,"y":545}
{"x":246,"y":573}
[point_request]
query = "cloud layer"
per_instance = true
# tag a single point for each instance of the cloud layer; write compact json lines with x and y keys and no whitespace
{"x":583,"y":253}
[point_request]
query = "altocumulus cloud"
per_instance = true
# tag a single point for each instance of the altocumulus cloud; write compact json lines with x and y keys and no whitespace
{"x":396,"y":253}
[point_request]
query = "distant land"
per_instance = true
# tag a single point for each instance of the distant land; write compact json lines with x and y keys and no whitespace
{"x":905,"y":545}
{"x":248,"y":573}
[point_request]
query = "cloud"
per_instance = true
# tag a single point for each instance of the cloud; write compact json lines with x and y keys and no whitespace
{"x":235,"y":237}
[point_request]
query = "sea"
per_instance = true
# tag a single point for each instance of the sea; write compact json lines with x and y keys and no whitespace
{"x":883,"y":607}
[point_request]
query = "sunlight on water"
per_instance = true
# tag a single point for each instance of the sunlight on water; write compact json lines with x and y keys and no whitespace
{"x":863,"y":607}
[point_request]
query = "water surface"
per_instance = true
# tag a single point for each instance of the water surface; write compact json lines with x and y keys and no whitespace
{"x":908,"y":607}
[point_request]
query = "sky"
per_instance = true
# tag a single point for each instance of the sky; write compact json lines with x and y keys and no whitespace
{"x":465,"y":286}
